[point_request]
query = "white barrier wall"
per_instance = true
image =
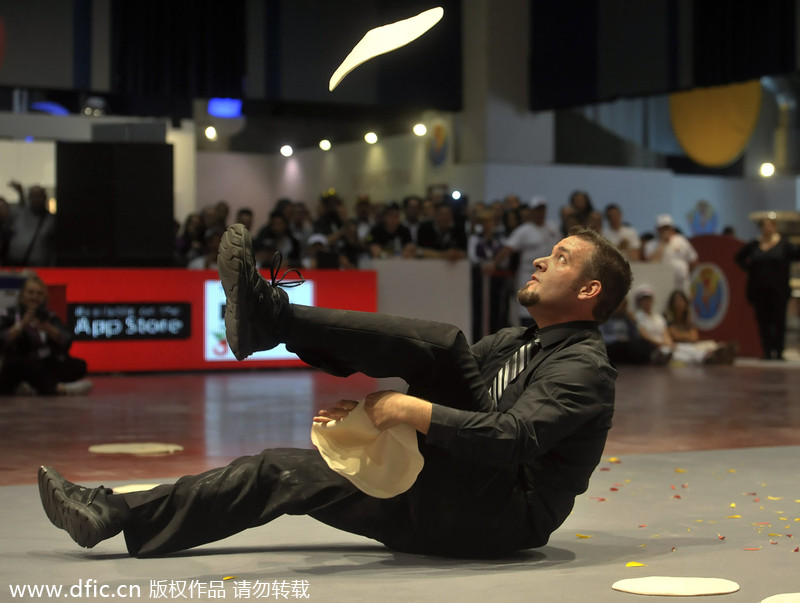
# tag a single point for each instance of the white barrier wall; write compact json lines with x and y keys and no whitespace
{"x":428,"y":289}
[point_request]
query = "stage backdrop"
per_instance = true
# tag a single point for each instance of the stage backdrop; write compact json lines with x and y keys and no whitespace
{"x":131,"y":320}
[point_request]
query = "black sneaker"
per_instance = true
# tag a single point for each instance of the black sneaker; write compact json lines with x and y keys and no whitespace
{"x":254,"y":307}
{"x":83,"y":512}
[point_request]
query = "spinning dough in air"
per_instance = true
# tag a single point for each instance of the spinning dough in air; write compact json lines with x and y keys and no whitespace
{"x":380,"y":463}
{"x":385,"y":39}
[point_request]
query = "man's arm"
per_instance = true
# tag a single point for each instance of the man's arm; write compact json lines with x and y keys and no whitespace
{"x":20,"y":191}
{"x":385,"y":409}
{"x":563,"y":397}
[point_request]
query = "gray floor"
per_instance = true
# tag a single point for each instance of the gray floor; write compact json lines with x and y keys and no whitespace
{"x":679,"y":514}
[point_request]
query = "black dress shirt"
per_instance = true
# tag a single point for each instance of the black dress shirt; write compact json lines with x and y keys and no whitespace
{"x":551,"y":423}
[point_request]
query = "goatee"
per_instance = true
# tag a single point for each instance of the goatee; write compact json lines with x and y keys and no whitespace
{"x":527,"y":298}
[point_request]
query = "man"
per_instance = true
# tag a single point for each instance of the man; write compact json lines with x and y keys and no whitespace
{"x":35,"y":346}
{"x":364,"y":217}
{"x":245,"y":216}
{"x":531,"y":239}
{"x":31,"y":231}
{"x":671,"y":247}
{"x":501,"y":470}
{"x":412,"y":211}
{"x":624,"y":237}
{"x":389,"y":238}
{"x":442,"y":237}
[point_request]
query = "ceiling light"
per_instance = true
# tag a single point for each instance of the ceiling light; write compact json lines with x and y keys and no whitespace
{"x":286,"y":150}
{"x":325,"y":144}
{"x":420,"y":130}
{"x":767,"y":170}
{"x":371,"y":137}
{"x":211,"y":133}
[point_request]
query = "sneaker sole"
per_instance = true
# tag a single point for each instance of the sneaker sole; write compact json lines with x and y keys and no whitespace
{"x":233,"y":271}
{"x":69,"y":515}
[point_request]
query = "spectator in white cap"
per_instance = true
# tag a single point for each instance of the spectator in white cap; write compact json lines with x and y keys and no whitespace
{"x":671,"y":247}
{"x":532,"y":239}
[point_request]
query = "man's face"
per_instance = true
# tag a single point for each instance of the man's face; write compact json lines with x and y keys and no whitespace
{"x":444,"y":217}
{"x":391,"y":219}
{"x":539,"y":214}
{"x":413,"y":209}
{"x":245,"y":218}
{"x":37,"y":198}
{"x":363,"y":210}
{"x":614,"y":217}
{"x":557,"y":278}
{"x":32,"y":295}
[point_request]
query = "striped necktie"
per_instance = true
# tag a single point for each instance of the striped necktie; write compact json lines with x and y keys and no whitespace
{"x":513,"y":367}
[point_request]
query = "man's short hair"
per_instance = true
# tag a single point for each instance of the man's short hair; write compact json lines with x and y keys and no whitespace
{"x":609,"y":266}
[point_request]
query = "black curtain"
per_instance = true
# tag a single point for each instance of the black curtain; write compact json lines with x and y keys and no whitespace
{"x":739,"y":41}
{"x":164,"y":53}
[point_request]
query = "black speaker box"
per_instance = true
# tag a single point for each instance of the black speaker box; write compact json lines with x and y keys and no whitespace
{"x":115,"y":204}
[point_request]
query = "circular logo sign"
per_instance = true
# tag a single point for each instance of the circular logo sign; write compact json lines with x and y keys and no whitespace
{"x":710,"y":296}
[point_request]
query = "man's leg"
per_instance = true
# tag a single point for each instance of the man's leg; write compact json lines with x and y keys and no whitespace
{"x":434,"y":358}
{"x":198,"y":509}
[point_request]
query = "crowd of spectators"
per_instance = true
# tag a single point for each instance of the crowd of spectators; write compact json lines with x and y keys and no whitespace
{"x":500,"y":239}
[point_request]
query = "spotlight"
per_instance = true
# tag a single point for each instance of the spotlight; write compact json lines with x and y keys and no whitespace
{"x":420,"y":130}
{"x":325,"y":144}
{"x":371,"y":137}
{"x":211,"y":133}
{"x":94,"y":106}
{"x":286,"y":150}
{"x":767,"y":170}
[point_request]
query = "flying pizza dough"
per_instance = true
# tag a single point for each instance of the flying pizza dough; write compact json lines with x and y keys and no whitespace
{"x":385,"y":39}
{"x":676,"y":587}
{"x":382,"y":464}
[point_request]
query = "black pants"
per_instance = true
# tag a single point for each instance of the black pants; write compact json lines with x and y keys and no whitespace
{"x":770,"y":308}
{"x":454,"y":508}
{"x":42,"y":374}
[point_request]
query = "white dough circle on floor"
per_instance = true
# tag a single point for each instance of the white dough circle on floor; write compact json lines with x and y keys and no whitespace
{"x":783,"y":598}
{"x":133,"y":488}
{"x":136,"y":448}
{"x":676,"y":586}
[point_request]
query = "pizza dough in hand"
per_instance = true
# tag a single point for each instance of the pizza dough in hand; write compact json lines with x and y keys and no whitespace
{"x":382,"y":464}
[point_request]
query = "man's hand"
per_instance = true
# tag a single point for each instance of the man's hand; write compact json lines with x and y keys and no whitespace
{"x":385,"y":409}
{"x":338,"y":411}
{"x":389,"y":408}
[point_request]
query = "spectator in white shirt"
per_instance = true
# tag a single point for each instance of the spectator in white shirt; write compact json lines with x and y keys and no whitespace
{"x":624,"y":237}
{"x":671,"y":247}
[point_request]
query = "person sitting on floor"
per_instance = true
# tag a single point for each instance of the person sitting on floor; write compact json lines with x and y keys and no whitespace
{"x":35,"y":345}
{"x":510,"y":429}
{"x":654,"y":328}
{"x":624,"y":343}
{"x":683,"y":331}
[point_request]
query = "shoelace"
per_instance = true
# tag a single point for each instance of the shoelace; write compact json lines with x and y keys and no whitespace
{"x":274,"y":268}
{"x":94,"y":492}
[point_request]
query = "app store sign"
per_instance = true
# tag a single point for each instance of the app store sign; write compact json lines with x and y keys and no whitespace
{"x":108,"y":322}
